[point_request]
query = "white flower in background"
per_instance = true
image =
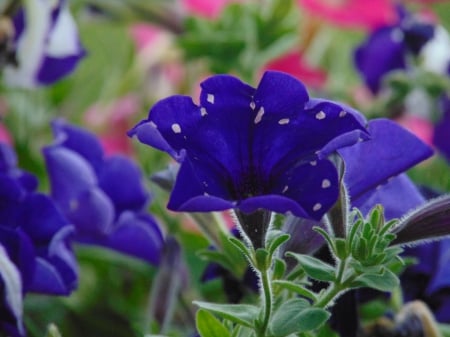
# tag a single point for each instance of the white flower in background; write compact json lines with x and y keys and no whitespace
{"x":436,"y":52}
{"x":47,"y":46}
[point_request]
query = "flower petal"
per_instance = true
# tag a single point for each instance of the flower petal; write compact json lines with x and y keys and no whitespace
{"x":12,"y":288}
{"x":430,"y":221}
{"x":398,"y":196}
{"x":69,"y":175}
{"x":307,"y":190}
{"x":137,"y":235}
{"x":383,"y":52}
{"x":122,"y":181}
{"x":383,"y":156}
{"x":79,"y":140}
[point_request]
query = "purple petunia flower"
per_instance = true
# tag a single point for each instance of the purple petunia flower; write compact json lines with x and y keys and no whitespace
{"x":104,"y":197}
{"x":252,"y":148}
{"x":390,"y":48}
{"x":441,"y":135}
{"x":35,"y":253}
{"x":46,"y":44}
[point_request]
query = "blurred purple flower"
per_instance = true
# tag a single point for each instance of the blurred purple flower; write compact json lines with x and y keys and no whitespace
{"x":46,"y":44}
{"x":441,"y":135}
{"x":390,"y":47}
{"x":429,"y":279}
{"x":252,"y":149}
{"x":104,"y":197}
{"x":35,"y":253}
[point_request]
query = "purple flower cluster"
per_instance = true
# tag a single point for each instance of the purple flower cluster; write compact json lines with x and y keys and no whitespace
{"x":35,"y":253}
{"x":104,"y":197}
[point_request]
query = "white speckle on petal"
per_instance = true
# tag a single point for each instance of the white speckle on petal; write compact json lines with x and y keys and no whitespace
{"x":210,"y":98}
{"x":259,"y":115}
{"x":342,"y":113}
{"x":326,"y":183}
{"x":313,"y":163}
{"x":317,"y":207}
{"x":153,"y":124}
{"x":176,"y":128}
{"x":320,"y":115}
{"x":397,"y":35}
{"x":284,"y":121}
{"x":203,"y":111}
{"x":252,"y":105}
{"x":206,"y":194}
{"x":285,"y":189}
{"x":205,"y":184}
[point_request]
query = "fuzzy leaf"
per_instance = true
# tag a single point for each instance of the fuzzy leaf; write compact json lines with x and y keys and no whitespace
{"x":243,"y":314}
{"x":384,"y":281}
{"x":209,"y":326}
{"x":315,"y":268}
{"x":296,"y":315}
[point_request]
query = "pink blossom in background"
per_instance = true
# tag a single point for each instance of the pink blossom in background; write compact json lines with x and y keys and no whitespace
{"x":5,"y":136}
{"x":421,"y":127}
{"x":112,"y":121}
{"x":158,"y":60}
{"x":367,"y":14}
{"x":293,"y":63}
{"x":210,"y":9}
{"x":144,"y":34}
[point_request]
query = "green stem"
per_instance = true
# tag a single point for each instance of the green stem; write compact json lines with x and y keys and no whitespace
{"x":267,"y":296}
{"x":334,"y":289}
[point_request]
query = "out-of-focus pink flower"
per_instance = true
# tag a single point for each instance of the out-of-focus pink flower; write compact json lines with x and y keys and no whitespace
{"x":421,"y":127}
{"x":157,"y":59}
{"x":352,"y":13}
{"x":293,"y":63}
{"x":144,"y":35}
{"x":5,"y":136}
{"x":206,"y":8}
{"x":112,"y":121}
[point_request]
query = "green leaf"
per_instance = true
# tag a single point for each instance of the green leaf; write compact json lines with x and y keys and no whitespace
{"x":262,"y":259}
{"x":279,"y":268}
{"x":385,"y":281}
{"x":275,"y":239}
{"x":341,"y":249}
{"x":209,"y":326}
{"x":241,"y":246}
{"x":296,"y":288}
{"x":215,"y":256}
{"x":315,"y":268}
{"x":243,"y":314}
{"x":242,"y":331}
{"x":296,"y":315}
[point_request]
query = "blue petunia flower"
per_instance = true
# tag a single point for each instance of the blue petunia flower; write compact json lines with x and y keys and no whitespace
{"x":391,"y":48}
{"x":104,"y":197}
{"x":252,"y":148}
{"x":35,"y":253}
{"x":45,"y":44}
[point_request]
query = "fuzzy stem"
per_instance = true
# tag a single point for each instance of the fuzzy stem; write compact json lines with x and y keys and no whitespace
{"x":266,"y":293}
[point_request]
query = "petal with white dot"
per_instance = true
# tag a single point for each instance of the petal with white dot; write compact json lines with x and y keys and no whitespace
{"x":320,"y":115}
{"x":176,"y":128}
